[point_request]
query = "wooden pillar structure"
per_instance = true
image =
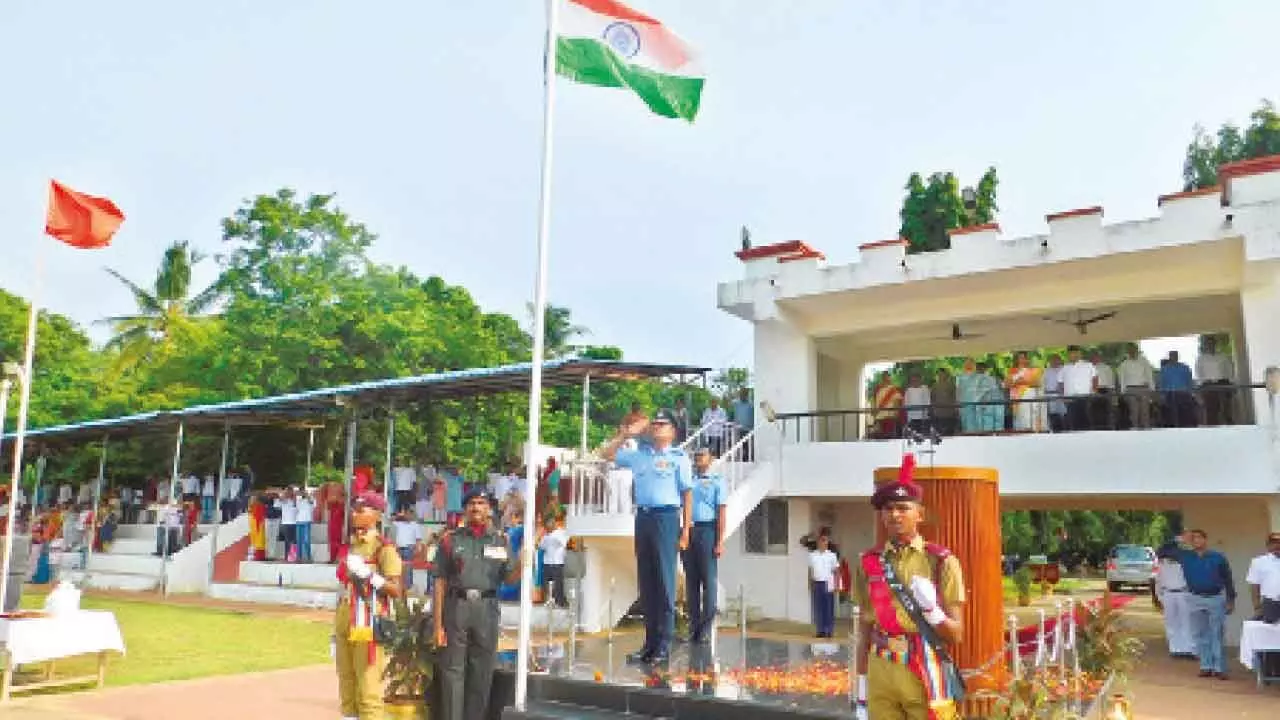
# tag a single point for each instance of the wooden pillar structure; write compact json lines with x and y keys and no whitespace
{"x":962,"y":513}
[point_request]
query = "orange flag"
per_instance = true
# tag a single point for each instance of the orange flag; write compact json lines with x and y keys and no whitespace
{"x":79,"y":220}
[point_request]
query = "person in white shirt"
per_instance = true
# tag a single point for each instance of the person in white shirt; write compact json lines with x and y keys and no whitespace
{"x":716,"y":423}
{"x":554,"y":546}
{"x":64,"y":494}
{"x":85,"y":495}
{"x":407,"y":533}
{"x":191,"y":488}
{"x":208,"y":491}
{"x":405,"y":478}
{"x":1079,"y":381}
{"x":1104,"y":403}
{"x":230,"y":502}
{"x":917,"y":400}
{"x":168,"y":531}
{"x":287,"y":504}
{"x":306,"y":508}
{"x":1214,"y":368}
{"x":823,"y":566}
{"x":1264,"y":581}
{"x":1171,"y":591}
{"x":1051,"y":385}
{"x":1137,"y":382}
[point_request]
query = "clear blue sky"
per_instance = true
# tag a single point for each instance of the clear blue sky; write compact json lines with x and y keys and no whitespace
{"x":424,"y":118}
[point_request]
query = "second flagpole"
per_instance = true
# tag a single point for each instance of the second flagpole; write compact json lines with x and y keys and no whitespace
{"x":20,"y":432}
{"x":539,"y":350}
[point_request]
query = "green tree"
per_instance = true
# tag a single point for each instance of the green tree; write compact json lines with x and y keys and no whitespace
{"x":166,"y":313}
{"x":1207,"y":152}
{"x":937,"y":205}
{"x":559,"y":330}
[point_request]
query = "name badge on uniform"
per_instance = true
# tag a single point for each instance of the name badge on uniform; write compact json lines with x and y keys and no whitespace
{"x":493,"y":552}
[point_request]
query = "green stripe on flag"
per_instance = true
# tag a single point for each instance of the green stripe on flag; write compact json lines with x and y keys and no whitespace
{"x":591,"y":62}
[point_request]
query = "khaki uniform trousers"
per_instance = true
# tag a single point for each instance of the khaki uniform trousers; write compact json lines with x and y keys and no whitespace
{"x":895,"y":693}
{"x":359,"y":681}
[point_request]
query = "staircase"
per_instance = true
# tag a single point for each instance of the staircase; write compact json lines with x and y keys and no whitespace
{"x":601,"y":514}
{"x":131,"y":563}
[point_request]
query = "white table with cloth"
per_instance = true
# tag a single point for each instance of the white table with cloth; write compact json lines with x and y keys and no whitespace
{"x":25,"y":640}
{"x":1260,"y":650}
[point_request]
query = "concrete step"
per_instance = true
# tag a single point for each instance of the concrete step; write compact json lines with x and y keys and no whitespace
{"x":274,"y":595}
{"x":309,"y":575}
{"x":129,"y":564}
{"x":132,"y":546}
{"x":115,"y":581}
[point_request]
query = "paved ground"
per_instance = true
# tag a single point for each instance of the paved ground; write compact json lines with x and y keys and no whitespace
{"x":1163,"y":689}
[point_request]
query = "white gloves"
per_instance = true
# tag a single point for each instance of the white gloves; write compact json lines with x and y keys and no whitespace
{"x":358,"y":567}
{"x":860,"y":706}
{"x":926,"y":596}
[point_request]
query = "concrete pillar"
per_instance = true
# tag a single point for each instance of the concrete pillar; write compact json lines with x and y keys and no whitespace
{"x":1237,"y":527}
{"x":1259,"y":307}
{"x":786,"y":372}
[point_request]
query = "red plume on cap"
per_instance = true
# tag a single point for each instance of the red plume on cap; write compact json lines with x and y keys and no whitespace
{"x":907,"y":471}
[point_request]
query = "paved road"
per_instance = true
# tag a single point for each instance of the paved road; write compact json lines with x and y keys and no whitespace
{"x":308,"y":693}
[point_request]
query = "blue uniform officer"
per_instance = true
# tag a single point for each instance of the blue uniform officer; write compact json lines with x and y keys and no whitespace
{"x":663,"y":484}
{"x":706,"y":545}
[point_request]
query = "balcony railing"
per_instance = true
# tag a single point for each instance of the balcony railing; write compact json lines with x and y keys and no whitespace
{"x":1206,"y":405}
{"x":599,"y":488}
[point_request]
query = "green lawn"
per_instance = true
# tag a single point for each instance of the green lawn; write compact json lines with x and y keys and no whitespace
{"x":1065,"y":586}
{"x":177,"y":642}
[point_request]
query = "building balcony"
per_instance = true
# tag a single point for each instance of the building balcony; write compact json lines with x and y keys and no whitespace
{"x":1094,"y":454}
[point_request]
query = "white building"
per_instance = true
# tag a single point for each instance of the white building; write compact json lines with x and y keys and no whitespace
{"x":1207,"y":263}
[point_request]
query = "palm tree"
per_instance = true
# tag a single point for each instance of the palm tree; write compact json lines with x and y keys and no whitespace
{"x":163,"y":313}
{"x":559,"y":330}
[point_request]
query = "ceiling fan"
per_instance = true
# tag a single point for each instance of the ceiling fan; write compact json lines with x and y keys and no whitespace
{"x":958,"y":334}
{"x":1081,"y":322}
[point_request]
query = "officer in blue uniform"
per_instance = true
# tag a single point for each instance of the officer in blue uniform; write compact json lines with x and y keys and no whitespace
{"x":706,"y":545}
{"x":663,"y":481}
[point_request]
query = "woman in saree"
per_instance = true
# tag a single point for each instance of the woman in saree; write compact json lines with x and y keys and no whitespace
{"x":258,"y":527}
{"x":969,"y":391}
{"x":886,"y":398}
{"x":1023,"y":383}
{"x":991,"y":413}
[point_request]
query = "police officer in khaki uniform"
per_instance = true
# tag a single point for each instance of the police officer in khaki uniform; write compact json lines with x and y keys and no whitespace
{"x":900,"y":672}
{"x":369,"y":575}
{"x":471,"y":563}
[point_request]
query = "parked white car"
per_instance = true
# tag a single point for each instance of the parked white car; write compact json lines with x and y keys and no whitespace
{"x":1132,"y":566}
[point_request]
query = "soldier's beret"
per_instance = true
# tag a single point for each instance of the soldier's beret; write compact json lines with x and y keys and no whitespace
{"x":904,"y":489}
{"x":477,"y":492}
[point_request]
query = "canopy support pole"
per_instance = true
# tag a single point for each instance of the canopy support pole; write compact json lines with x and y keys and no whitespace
{"x":160,"y":517}
{"x":95,"y":521}
{"x":222,"y":479}
{"x":388,"y":486}
{"x":349,"y":466}
{"x":311,"y":445}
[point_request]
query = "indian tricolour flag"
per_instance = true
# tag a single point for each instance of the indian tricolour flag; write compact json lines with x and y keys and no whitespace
{"x":606,"y":43}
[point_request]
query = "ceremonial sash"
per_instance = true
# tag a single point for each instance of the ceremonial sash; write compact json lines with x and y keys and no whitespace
{"x":920,"y":657}
{"x":365,"y":602}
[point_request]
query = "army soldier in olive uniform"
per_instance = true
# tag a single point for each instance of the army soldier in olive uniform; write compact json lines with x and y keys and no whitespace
{"x":901,"y":673}
{"x":471,"y":563}
{"x":369,"y":574}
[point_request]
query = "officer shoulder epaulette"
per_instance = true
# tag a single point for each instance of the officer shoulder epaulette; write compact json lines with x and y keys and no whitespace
{"x":938,"y":552}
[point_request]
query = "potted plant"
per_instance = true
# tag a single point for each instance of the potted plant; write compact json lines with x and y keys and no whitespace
{"x":1022,"y":583}
{"x":411,"y":661}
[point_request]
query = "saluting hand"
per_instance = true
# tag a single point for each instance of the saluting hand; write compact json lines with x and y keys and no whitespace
{"x":635,"y":427}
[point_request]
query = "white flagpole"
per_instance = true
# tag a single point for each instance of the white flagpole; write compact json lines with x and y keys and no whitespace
{"x":539,"y":350}
{"x":20,"y":434}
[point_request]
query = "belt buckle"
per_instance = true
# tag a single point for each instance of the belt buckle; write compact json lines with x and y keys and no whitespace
{"x":472,"y":594}
{"x":896,"y":644}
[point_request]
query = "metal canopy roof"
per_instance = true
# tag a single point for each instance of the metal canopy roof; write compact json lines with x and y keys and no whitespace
{"x":316,"y":405}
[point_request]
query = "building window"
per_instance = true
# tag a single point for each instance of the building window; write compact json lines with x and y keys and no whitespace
{"x":765,"y":530}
